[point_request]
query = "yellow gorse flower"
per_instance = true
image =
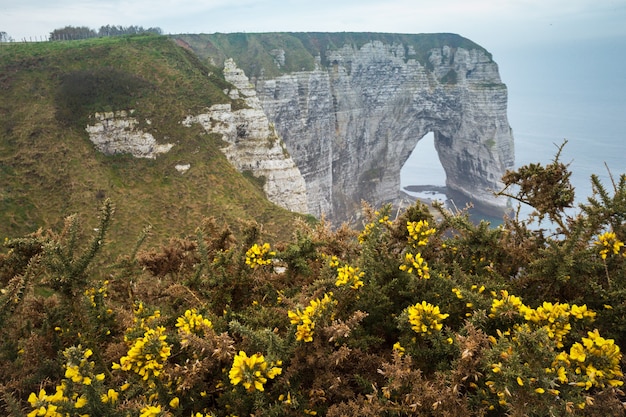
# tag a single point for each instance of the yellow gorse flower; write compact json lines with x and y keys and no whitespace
{"x":554,"y":318}
{"x":192,"y":323}
{"x":609,"y":243}
{"x":419,"y":232}
{"x":42,"y":405}
{"x":147,"y":354}
{"x":369,"y":228}
{"x":151,"y":411}
{"x":97,"y":295}
{"x":259,"y":255}
{"x":333,"y":262}
{"x":143,"y":317}
{"x":397,"y":347}
{"x":425,"y":317}
{"x":252,"y":371}
{"x":348,"y":275}
{"x":110,"y":397}
{"x":507,"y":305}
{"x":67,"y":399}
{"x":596,"y":360}
{"x":305,"y":320}
{"x":417,"y":263}
{"x":78,"y":368}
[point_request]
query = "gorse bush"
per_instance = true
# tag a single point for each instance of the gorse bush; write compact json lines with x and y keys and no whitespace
{"x":405,"y":316}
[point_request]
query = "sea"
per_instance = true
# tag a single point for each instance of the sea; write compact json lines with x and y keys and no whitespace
{"x":568,"y":91}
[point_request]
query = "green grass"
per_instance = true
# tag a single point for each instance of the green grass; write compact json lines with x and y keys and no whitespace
{"x":49,"y":168}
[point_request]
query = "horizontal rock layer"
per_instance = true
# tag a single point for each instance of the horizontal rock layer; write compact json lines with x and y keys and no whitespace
{"x":350,"y":127}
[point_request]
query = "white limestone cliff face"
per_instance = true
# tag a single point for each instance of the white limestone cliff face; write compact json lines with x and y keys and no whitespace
{"x":351,"y":127}
{"x":118,"y":132}
{"x":253,"y":144}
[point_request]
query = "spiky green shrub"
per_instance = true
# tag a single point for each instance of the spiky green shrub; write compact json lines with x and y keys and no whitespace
{"x":417,"y":315}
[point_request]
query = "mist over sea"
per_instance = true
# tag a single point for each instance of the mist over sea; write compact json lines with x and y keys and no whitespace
{"x":574,"y":91}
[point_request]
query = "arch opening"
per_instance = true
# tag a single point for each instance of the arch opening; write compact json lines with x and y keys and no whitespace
{"x":422,"y":176}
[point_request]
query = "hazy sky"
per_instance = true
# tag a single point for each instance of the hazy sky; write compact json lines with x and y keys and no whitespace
{"x":491,"y":23}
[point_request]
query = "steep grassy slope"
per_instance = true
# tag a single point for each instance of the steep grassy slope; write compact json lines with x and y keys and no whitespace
{"x":50,"y":169}
{"x":257,"y":52}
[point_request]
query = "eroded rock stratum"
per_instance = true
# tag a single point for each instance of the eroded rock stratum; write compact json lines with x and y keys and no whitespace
{"x":351,"y":120}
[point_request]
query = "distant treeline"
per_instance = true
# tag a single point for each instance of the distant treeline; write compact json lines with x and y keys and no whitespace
{"x":83,"y":32}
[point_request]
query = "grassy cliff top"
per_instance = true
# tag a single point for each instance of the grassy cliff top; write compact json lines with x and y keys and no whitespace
{"x":49,"y":169}
{"x":256,"y":52}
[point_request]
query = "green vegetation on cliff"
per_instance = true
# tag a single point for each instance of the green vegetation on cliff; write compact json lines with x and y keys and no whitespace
{"x":49,"y":169}
{"x":258,"y":53}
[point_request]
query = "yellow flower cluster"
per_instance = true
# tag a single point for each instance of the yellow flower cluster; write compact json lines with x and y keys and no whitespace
{"x":554,"y":318}
{"x":143,"y":317}
{"x":46,"y":405}
{"x":596,"y":360}
{"x":193,"y":323}
{"x":382,"y":220}
{"x":147,"y":354}
{"x":419,"y":232}
{"x":609,"y":242}
{"x":505,"y":376}
{"x":252,"y":372}
{"x":349,"y":275}
{"x":259,"y":255}
{"x":305,"y":320}
{"x":425,"y":318}
{"x":151,"y":411}
{"x":95,"y":295}
{"x":111,"y":396}
{"x":333,"y":261}
{"x":417,"y":263}
{"x":367,"y":230}
{"x":459,"y":294}
{"x":397,"y":347}
{"x":506,"y":306}
{"x":78,"y":370}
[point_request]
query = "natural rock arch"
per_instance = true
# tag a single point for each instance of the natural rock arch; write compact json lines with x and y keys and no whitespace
{"x":422,"y":172}
{"x":351,"y":127}
{"x":350,"y":107}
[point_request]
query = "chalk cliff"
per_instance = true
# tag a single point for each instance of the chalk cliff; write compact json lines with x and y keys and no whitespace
{"x":351,"y":116}
{"x":252,"y":142}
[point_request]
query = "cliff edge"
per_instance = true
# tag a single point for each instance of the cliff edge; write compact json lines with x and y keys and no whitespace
{"x":352,"y":107}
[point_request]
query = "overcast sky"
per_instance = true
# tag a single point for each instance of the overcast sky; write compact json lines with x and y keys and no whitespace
{"x":491,"y":23}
